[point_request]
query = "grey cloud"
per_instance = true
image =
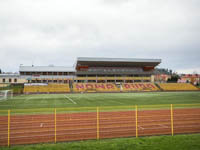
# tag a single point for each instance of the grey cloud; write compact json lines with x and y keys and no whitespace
{"x":58,"y":32}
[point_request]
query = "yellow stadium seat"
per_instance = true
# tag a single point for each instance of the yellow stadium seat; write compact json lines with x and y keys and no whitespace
{"x":50,"y":88}
{"x":128,"y":87}
{"x":177,"y":87}
{"x":95,"y":87}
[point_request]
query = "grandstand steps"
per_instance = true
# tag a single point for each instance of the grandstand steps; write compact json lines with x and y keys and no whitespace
{"x":71,"y":87}
{"x":159,"y":87}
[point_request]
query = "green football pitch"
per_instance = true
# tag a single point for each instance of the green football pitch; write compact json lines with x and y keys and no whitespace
{"x":98,"y":99}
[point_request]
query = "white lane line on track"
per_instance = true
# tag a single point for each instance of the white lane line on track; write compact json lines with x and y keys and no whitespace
{"x":70,"y":99}
{"x":162,"y":125}
{"x":27,"y":99}
{"x":141,"y":127}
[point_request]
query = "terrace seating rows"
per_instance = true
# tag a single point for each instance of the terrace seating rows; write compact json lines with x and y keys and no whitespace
{"x":108,"y":87}
{"x":177,"y":87}
{"x":95,"y":87}
{"x":128,"y":87}
{"x":111,"y":87}
{"x":50,"y":88}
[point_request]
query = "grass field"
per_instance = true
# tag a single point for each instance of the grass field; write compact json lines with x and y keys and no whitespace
{"x":98,"y":99}
{"x":46,"y":101}
{"x":178,"y":142}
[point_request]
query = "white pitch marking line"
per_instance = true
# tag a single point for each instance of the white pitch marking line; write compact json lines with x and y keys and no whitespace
{"x":162,"y":125}
{"x":70,"y":99}
{"x":27,"y":99}
{"x":141,"y":127}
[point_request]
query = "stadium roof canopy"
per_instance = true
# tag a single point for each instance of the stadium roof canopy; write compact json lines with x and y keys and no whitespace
{"x":116,"y":62}
{"x":46,"y":69}
{"x":9,"y":75}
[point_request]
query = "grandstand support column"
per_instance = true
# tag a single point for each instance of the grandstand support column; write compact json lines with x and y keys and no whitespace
{"x":121,"y":88}
{"x":152,"y":78}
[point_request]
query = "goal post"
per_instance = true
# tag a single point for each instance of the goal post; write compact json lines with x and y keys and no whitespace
{"x":6,"y":94}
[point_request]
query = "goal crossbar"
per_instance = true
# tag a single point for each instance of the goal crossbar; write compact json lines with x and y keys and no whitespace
{"x":6,"y":94}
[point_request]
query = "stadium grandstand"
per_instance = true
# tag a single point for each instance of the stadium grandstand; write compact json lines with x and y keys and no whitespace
{"x":91,"y":74}
{"x":98,"y":70}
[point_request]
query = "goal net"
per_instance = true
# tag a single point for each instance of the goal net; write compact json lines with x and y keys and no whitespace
{"x":6,"y":94}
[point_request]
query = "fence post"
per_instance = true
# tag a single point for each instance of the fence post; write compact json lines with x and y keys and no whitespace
{"x":8,"y":127}
{"x":55,"y":123}
{"x":136,"y":121}
{"x":172,"y":121}
{"x":97,"y":123}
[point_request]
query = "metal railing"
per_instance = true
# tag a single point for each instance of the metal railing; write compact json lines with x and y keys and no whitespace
{"x":28,"y":126}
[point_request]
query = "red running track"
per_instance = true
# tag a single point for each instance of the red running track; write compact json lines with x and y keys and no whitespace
{"x":29,"y":129}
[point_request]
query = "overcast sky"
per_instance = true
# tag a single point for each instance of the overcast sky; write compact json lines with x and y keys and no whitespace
{"x":44,"y":32}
